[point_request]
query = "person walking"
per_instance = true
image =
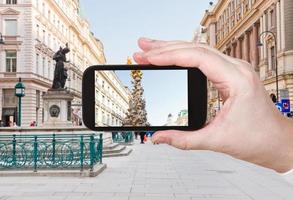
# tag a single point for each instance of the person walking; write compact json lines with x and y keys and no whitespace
{"x":142,"y":134}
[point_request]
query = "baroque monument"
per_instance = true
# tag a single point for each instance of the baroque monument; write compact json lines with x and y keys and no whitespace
{"x":137,"y":114}
{"x":57,"y":100}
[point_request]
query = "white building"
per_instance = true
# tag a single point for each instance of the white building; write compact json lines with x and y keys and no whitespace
{"x":112,"y":99}
{"x":33,"y":30}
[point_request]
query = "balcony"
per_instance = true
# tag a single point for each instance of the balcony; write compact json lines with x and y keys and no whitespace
{"x":12,"y":40}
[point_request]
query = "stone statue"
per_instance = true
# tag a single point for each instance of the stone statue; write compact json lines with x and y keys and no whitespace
{"x":60,"y":73}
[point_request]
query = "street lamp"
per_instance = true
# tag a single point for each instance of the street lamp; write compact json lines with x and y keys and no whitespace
{"x":19,"y":92}
{"x":1,"y":39}
{"x":260,"y":44}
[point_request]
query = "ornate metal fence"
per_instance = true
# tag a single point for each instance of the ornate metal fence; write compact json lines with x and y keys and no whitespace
{"x":57,"y":151}
{"x":123,"y":137}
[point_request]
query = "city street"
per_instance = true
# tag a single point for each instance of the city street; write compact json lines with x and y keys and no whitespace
{"x":157,"y":172}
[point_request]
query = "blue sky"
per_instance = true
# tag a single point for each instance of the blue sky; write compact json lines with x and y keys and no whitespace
{"x":162,"y":93}
{"x":119,"y":23}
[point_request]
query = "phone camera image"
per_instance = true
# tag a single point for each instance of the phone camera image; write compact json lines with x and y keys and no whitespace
{"x":141,"y":98}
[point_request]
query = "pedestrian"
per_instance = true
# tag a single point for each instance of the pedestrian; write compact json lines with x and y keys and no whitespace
{"x":248,"y":127}
{"x":142,"y":134}
{"x":1,"y":123}
{"x":136,"y":134}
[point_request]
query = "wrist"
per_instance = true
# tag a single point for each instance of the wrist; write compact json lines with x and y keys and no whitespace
{"x":285,"y":162}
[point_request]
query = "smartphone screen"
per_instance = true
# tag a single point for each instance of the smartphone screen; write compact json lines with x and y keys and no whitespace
{"x":141,"y":98}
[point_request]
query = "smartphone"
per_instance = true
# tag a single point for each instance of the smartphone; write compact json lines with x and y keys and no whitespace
{"x":143,"y":98}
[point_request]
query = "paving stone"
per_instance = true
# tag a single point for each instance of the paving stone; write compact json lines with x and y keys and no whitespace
{"x":157,"y":172}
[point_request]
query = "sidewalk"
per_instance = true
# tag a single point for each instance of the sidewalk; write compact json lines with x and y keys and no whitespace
{"x":157,"y":172}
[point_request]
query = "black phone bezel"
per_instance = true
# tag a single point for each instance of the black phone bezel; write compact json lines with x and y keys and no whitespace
{"x":197,"y":98}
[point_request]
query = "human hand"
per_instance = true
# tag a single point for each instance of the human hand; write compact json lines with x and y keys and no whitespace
{"x":248,"y":127}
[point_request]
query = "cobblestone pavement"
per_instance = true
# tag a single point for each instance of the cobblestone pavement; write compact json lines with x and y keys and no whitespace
{"x":157,"y":173}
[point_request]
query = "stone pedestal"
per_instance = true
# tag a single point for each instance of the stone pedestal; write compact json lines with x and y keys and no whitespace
{"x":57,"y":108}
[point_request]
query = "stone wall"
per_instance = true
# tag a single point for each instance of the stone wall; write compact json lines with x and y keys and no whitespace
{"x":288,"y":15}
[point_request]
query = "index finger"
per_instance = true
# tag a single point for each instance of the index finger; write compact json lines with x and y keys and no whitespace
{"x":213,"y":65}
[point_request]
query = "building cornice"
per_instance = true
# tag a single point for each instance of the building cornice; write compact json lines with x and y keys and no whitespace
{"x":9,"y":11}
{"x":211,"y":14}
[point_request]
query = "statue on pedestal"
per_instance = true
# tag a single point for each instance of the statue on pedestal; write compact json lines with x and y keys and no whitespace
{"x":60,"y":73}
{"x":57,"y":100}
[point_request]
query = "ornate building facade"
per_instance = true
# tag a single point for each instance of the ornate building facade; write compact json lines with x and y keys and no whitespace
{"x":235,"y":26}
{"x":33,"y":30}
{"x":112,"y":99}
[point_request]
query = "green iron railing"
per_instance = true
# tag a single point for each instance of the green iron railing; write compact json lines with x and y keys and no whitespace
{"x":122,"y":137}
{"x":54,"y":151}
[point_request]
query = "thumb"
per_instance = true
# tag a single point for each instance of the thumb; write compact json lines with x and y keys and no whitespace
{"x":193,"y":140}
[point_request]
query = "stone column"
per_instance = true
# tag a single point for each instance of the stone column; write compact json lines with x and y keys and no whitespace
{"x":238,"y":48}
{"x":212,"y":33}
{"x":265,"y":51}
{"x":254,"y":49}
{"x":229,"y":50}
{"x":233,"y":50}
{"x":261,"y":30}
{"x":282,"y":24}
{"x":278,"y":18}
{"x":245,"y":48}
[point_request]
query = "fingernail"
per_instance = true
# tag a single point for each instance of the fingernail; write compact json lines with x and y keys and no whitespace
{"x":140,"y":54}
{"x":147,"y":39}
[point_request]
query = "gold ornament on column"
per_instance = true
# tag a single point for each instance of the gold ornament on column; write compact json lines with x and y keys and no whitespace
{"x":137,"y":114}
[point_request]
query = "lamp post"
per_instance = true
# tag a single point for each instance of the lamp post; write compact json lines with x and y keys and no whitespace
{"x":259,"y":44}
{"x":1,"y":39}
{"x":19,"y":92}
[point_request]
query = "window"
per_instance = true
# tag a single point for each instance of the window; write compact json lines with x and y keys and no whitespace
{"x":73,"y":58}
{"x":38,"y":99}
{"x":9,"y":98}
{"x":49,"y":40}
{"x":49,"y":69}
{"x":97,"y":115}
{"x":54,"y":19}
{"x":44,"y":36}
{"x":44,"y":9}
{"x":273,"y":18}
{"x":38,"y":31}
{"x":108,"y":119}
{"x":273,"y":57}
{"x":37,"y":63}
{"x":49,"y":15}
{"x":54,"y":44}
{"x":44,"y":60}
{"x":38,"y":104}
{"x":103,"y":117}
{"x":10,"y":27}
{"x":11,"y":61}
{"x":11,"y":1}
